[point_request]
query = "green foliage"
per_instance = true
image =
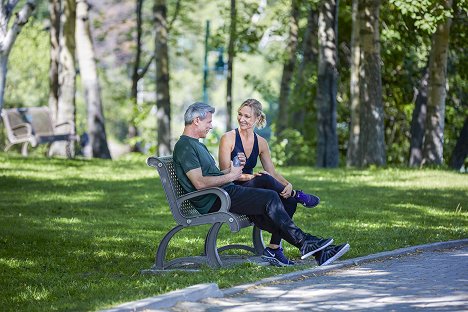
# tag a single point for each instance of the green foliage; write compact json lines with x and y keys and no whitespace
{"x":74,"y":234}
{"x":28,"y":68}
{"x":426,"y":14}
{"x":290,"y":148}
{"x":406,"y":27}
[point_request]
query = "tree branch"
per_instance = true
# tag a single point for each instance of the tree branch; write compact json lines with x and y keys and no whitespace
{"x":176,"y":13}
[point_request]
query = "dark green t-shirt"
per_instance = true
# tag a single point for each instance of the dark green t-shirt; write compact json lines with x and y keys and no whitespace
{"x":190,"y":154}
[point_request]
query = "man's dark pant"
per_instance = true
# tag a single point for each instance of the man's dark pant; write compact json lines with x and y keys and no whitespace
{"x":265,"y":209}
{"x":266,"y":181}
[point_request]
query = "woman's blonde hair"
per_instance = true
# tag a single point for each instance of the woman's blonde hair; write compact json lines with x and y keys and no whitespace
{"x":257,"y":110}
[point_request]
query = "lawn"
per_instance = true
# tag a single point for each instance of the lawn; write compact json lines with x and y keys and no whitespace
{"x":74,"y":234}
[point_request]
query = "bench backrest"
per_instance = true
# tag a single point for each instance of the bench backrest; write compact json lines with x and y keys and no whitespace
{"x":173,"y":189}
{"x":38,"y":117}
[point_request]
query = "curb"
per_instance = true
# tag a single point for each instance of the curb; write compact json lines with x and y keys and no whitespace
{"x":192,"y":293}
{"x":203,"y":291}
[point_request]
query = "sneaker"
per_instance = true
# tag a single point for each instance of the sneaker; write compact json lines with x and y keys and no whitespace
{"x":307,"y":200}
{"x":313,"y":244}
{"x":331,"y":253}
{"x":276,"y":257}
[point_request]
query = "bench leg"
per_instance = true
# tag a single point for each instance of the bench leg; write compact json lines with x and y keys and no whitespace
{"x":257,"y":239}
{"x":24,"y":149}
{"x":162,"y":249}
{"x":211,"y":251}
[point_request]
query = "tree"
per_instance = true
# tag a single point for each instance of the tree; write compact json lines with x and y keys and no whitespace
{"x":54,"y":33}
{"x":288,"y":68}
{"x":352,"y":154}
{"x":418,"y":121}
{"x":371,"y":114}
{"x":327,"y":140}
{"x":433,"y":146}
{"x":231,"y":54}
{"x":8,"y":35}
{"x":66,"y":110}
{"x":460,"y":151}
{"x":163,"y":101}
{"x":98,"y":147}
{"x":304,"y":90}
{"x":137,"y":75}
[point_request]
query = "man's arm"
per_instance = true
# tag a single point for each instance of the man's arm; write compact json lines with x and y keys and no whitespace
{"x":200,"y":182}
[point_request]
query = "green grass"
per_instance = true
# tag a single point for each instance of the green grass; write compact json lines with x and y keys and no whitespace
{"x":74,"y":234}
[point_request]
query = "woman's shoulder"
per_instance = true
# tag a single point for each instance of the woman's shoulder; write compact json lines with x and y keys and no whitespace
{"x":261,"y":139}
{"x":229,"y":136}
{"x":262,"y":142}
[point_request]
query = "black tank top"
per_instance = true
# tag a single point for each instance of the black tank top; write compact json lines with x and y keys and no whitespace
{"x":239,"y":148}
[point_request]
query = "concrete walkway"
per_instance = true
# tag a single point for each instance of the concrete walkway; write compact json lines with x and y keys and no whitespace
{"x":433,"y":277}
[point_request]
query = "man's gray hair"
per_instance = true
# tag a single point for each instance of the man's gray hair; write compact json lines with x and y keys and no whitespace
{"x":197,"y":109}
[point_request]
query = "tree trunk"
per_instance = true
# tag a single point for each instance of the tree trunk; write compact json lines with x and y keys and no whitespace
{"x":54,"y":13}
{"x":163,"y":101}
{"x":288,"y":69}
{"x":433,"y":147}
{"x":371,"y":135}
{"x":352,"y":154}
{"x":306,"y":67}
{"x":67,"y":77}
{"x":327,"y":139}
{"x":460,"y":152}
{"x":133,"y":130}
{"x":8,"y":36}
{"x":231,"y":54}
{"x":88,"y":70}
{"x":418,"y":120}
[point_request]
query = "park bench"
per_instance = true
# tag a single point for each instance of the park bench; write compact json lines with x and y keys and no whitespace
{"x":33,"y":126}
{"x":186,"y":215}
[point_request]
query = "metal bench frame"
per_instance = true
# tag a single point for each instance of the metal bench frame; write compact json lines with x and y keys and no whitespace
{"x":33,"y":126}
{"x":186,"y":215}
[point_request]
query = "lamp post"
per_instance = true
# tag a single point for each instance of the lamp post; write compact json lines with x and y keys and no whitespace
{"x":205,"y":64}
{"x":219,"y":65}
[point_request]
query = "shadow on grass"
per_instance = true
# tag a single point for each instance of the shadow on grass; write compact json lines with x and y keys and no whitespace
{"x":74,"y":234}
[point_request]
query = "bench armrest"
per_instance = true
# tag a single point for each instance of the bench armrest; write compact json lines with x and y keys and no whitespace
{"x":66,"y":123}
{"x":222,"y":194}
{"x":23,"y":125}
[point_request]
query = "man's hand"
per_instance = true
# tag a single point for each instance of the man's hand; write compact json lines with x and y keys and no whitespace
{"x":235,"y":172}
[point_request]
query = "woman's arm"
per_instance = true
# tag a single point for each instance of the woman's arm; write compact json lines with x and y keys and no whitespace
{"x":267,"y":164}
{"x":224,"y":152}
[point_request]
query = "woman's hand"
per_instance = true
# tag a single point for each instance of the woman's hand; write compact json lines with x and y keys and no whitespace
{"x":242,"y":158}
{"x":260,"y":173}
{"x":286,"y":193}
{"x":246,"y":177}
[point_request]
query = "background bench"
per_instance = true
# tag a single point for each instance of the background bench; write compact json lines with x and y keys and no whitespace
{"x":186,"y":215}
{"x":34,"y":126}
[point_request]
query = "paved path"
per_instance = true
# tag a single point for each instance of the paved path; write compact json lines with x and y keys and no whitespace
{"x":431,"y":280}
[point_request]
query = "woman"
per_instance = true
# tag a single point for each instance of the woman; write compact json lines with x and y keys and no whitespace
{"x":244,"y":143}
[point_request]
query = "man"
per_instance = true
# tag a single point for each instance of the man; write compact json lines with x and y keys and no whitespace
{"x":196,"y":169}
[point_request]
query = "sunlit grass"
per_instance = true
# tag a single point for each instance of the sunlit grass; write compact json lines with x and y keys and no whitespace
{"x":74,"y":234}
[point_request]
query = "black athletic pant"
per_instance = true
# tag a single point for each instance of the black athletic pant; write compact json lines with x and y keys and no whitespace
{"x":265,"y":209}
{"x":266,"y":181}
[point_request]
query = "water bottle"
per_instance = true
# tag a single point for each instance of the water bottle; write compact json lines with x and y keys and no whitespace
{"x":236,"y":162}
